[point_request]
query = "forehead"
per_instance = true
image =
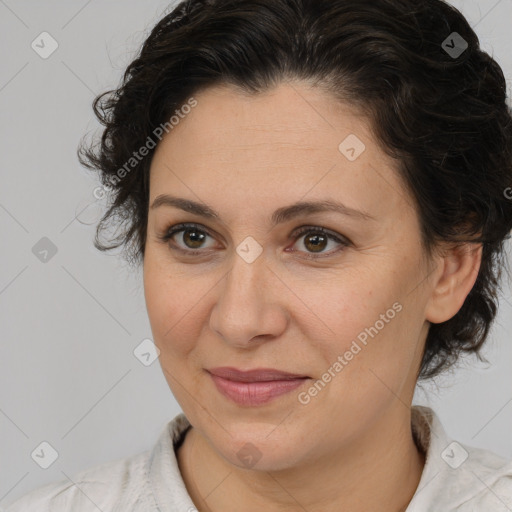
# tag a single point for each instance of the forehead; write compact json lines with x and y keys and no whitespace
{"x":291,"y":113}
{"x":291,"y":140}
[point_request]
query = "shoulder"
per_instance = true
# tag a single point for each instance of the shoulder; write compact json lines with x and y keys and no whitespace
{"x":131,"y":484}
{"x":457,"y":476}
{"x":487,"y":478}
{"x":101,"y":487}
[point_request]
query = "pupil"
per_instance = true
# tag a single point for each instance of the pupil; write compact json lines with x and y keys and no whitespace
{"x":316,"y":239}
{"x":198,"y":238}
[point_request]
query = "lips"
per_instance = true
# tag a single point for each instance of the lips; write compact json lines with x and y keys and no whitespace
{"x":254,"y":375}
{"x":257,"y":387}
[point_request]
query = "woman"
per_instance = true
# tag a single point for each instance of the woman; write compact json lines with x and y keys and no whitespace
{"x":316,"y":190}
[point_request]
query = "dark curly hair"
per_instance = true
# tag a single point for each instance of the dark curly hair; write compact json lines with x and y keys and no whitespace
{"x":437,"y":106}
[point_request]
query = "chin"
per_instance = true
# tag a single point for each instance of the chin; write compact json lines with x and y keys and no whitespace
{"x":260,"y":452}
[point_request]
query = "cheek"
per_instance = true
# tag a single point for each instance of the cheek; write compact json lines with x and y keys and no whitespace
{"x":362,"y":319}
{"x":337,"y":308}
{"x":173,"y":300}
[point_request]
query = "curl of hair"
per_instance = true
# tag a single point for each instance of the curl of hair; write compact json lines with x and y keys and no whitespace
{"x":445,"y":120}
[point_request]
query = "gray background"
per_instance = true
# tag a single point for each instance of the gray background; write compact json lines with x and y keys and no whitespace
{"x":69,"y":326}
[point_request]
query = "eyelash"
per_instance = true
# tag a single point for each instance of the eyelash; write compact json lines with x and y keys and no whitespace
{"x":171,"y":231}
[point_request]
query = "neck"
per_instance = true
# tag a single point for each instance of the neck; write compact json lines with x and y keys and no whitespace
{"x":380,"y":471}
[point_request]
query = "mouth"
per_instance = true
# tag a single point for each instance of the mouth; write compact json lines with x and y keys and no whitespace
{"x":254,"y":375}
{"x":254,"y":387}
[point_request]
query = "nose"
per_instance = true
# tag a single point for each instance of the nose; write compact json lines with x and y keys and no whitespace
{"x":249,"y":305}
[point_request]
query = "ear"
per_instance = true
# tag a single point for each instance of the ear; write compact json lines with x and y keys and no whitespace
{"x":458,"y":270}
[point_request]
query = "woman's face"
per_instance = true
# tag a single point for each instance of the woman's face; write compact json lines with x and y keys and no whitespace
{"x":346,"y":308}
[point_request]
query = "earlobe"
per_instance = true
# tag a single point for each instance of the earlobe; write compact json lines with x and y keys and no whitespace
{"x":460,"y":266}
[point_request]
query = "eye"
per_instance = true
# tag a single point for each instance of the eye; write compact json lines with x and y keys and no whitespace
{"x":193,"y":236}
{"x":316,"y":239}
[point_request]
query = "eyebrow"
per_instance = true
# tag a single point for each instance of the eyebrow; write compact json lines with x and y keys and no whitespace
{"x":280,"y":216}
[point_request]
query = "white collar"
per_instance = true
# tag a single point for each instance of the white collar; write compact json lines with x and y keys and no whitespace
{"x":455,"y":473}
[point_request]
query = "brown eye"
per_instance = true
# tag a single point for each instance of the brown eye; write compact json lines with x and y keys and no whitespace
{"x":193,"y":238}
{"x":316,"y":239}
{"x":315,"y":242}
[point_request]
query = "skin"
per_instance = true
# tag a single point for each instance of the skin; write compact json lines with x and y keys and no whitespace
{"x":351,"y":447}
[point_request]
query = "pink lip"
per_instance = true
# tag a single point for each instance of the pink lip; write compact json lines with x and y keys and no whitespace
{"x":257,"y":387}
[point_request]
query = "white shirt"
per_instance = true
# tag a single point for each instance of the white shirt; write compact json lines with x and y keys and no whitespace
{"x":456,"y":477}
